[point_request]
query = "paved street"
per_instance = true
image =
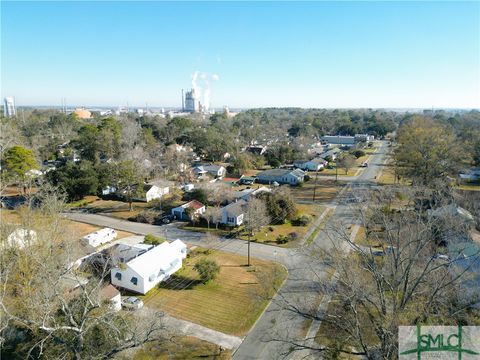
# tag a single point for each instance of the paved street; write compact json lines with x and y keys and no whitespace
{"x":300,"y":287}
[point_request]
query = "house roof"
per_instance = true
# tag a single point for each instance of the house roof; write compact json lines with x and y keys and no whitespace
{"x":108,"y":292}
{"x":159,"y":257}
{"x":193,"y":204}
{"x":281,"y":172}
{"x":236,"y":208}
{"x":159,"y":183}
{"x":213,"y":167}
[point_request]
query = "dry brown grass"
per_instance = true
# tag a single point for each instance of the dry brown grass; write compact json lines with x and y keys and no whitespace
{"x":326,"y":190}
{"x":179,"y":348}
{"x":231,"y":303}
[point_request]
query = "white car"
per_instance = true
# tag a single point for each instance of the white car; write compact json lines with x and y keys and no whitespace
{"x":132,"y":303}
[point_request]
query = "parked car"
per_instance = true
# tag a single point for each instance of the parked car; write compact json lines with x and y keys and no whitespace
{"x":365,"y":164}
{"x":167,"y":219}
{"x":132,"y":303}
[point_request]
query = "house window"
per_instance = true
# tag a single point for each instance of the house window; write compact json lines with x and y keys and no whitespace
{"x":134,"y":280}
{"x":230,"y":219}
{"x":118,"y":276}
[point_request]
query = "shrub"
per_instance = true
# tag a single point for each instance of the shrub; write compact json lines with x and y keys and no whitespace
{"x":307,"y":178}
{"x":152,"y":239}
{"x":147,"y":216}
{"x":282,"y":239}
{"x":302,"y":220}
{"x":207,"y":270}
{"x":270,"y":228}
{"x":292,"y":236}
{"x":358,"y":153}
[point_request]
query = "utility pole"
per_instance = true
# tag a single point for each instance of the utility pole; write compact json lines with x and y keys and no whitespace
{"x":336,"y":171}
{"x":315,"y":186}
{"x":248,"y":251}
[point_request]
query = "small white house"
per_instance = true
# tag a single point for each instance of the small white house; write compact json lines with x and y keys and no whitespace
{"x":311,"y":165}
{"x":110,"y":294}
{"x":182,"y":213}
{"x":21,"y":238}
{"x":234,"y":213}
{"x":155,"y":190}
{"x":100,"y":237}
{"x":149,"y":267}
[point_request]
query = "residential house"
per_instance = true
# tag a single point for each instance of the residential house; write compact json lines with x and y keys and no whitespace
{"x":21,"y":238}
{"x":470,"y":175}
{"x":247,"y":194}
{"x":189,"y":210}
{"x":281,"y":176}
{"x":156,"y":189}
{"x":234,"y":213}
{"x":364,"y":138}
{"x":148,"y":265}
{"x":112,"y":296}
{"x":199,"y":171}
{"x":216,"y":171}
{"x":256,"y":149}
{"x":100,"y":237}
{"x":311,"y":165}
{"x":331,"y":154}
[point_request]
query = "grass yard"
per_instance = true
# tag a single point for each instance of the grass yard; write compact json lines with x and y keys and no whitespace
{"x":231,"y":303}
{"x":326,"y":190}
{"x":76,"y":229}
{"x":469,"y":187}
{"x":270,"y":233}
{"x":179,"y":348}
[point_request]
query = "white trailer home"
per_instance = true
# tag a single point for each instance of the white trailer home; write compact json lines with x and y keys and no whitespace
{"x":100,"y":237}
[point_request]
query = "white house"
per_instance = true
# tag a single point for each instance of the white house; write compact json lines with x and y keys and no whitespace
{"x":100,"y":237}
{"x":234,"y":213}
{"x":21,"y":238}
{"x":311,"y":165}
{"x":217,"y":171}
{"x":148,"y":266}
{"x":247,"y":194}
{"x":156,"y":189}
{"x":182,"y":213}
{"x":110,"y":294}
{"x":281,"y":176}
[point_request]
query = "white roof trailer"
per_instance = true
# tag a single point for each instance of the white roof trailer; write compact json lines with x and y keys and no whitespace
{"x":100,"y":237}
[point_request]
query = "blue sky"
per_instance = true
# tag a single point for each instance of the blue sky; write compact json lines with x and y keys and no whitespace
{"x":309,"y":54}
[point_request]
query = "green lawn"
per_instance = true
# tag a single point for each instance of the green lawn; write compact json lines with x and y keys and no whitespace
{"x":231,"y":303}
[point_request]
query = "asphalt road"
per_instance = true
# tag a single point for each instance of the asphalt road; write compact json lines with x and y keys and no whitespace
{"x":267,"y":339}
{"x":278,"y":323}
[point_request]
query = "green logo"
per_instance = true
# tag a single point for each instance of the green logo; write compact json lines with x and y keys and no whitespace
{"x":440,"y":339}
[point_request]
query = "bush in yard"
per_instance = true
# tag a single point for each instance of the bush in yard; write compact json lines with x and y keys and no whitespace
{"x":152,"y":239}
{"x":292,"y":236}
{"x":282,"y":239}
{"x":302,"y":220}
{"x":207,"y":270}
{"x":307,"y":178}
{"x":147,"y":216}
{"x":358,"y":153}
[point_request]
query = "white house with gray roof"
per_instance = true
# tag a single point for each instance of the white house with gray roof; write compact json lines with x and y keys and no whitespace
{"x":281,"y":176}
{"x":139,"y":268}
{"x":234,"y":213}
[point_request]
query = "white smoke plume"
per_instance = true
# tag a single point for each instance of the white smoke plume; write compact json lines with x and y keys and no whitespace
{"x":202,"y":93}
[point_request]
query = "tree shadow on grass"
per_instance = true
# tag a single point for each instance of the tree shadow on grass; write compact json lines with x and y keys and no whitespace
{"x":179,"y":282}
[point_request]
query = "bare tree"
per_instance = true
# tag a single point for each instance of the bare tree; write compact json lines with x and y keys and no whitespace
{"x":212,"y":214}
{"x":55,"y":307}
{"x":255,"y":217}
{"x":393,"y":277}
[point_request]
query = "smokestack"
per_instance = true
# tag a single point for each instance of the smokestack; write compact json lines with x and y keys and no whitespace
{"x":183,"y":102}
